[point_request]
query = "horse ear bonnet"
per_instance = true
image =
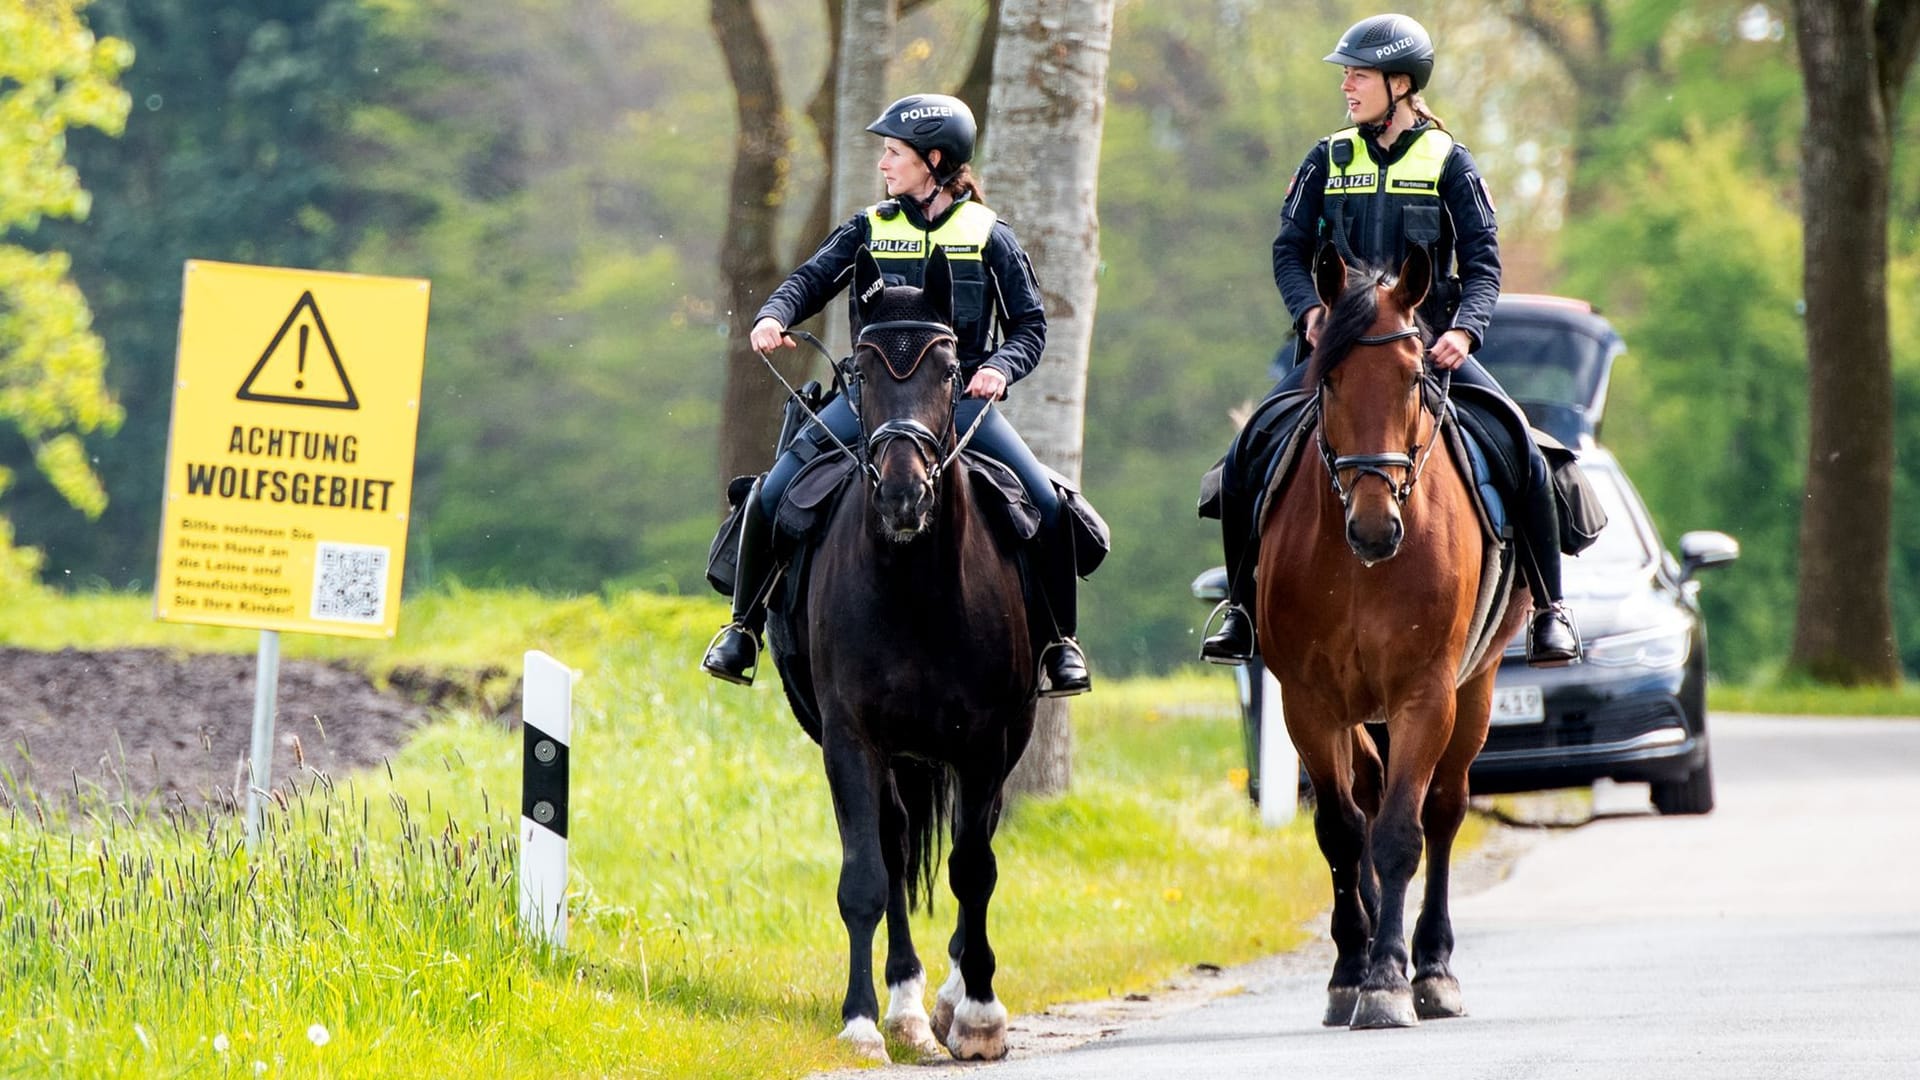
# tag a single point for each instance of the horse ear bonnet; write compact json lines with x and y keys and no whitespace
{"x":868,"y":286}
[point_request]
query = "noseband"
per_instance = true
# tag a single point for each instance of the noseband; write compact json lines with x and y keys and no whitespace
{"x":1413,"y":462}
{"x":926,"y":444}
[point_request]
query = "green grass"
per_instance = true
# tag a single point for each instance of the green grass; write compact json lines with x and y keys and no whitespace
{"x":705,"y":940}
{"x":1809,"y":699}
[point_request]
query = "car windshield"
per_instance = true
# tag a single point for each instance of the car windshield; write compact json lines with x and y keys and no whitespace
{"x":1620,"y":546}
{"x":1543,"y":361}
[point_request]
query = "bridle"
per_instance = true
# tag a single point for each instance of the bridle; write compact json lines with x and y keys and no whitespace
{"x":926,"y":444}
{"x":1413,"y":462}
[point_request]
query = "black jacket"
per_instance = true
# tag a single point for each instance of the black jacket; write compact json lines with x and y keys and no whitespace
{"x":1467,"y":246}
{"x":1016,"y":315}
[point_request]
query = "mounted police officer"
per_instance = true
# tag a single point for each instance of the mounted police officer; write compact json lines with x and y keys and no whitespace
{"x":1393,"y":180}
{"x":934,"y":201}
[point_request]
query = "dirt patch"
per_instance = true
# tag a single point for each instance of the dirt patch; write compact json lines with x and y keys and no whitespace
{"x":151,"y":728}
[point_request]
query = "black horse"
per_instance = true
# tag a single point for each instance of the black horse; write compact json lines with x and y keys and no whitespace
{"x":906,"y":653}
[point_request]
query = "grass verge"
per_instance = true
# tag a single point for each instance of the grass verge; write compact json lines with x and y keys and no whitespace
{"x":374,"y":936}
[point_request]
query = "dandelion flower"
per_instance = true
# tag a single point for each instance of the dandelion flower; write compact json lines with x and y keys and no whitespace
{"x":1173,"y":894}
{"x":1237,"y":779}
{"x":317,"y":1035}
{"x":221,"y":1043}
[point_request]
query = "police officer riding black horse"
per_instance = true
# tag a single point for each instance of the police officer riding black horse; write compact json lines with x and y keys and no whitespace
{"x":1001,"y":329}
{"x":1393,"y":180}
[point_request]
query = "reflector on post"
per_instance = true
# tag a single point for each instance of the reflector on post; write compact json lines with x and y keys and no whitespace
{"x":547,"y":721}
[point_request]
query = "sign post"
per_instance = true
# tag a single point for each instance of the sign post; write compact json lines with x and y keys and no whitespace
{"x":296,"y":402}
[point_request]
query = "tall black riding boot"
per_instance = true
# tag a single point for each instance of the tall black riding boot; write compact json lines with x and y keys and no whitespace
{"x":1233,"y":643}
{"x":735,"y":652}
{"x":1063,"y":662}
{"x":1552,"y":639}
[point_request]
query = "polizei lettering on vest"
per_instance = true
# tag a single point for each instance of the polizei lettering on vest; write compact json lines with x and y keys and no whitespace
{"x":901,"y":247}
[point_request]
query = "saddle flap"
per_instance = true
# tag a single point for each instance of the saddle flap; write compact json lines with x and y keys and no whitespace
{"x":812,"y":494}
{"x":998,"y":486}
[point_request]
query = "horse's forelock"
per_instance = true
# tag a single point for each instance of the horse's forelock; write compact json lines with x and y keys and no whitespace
{"x":1348,"y":320}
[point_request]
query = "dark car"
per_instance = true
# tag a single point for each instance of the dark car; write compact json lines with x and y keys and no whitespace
{"x":1635,"y":708}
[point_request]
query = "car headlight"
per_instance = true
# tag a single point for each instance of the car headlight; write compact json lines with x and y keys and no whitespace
{"x":1660,"y":648}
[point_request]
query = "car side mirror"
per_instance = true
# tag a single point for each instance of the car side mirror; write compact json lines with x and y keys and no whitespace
{"x":1704,"y":548}
{"x":1211,"y":586}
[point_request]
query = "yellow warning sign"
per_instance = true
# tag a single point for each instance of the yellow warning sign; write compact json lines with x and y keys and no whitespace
{"x":290,"y":456}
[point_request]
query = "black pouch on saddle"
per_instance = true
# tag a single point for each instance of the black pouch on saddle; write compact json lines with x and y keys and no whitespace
{"x":1581,"y":515}
{"x":792,"y":415}
{"x":995,"y":485}
{"x":723,"y":556}
{"x":810,"y":498}
{"x":1092,"y":540}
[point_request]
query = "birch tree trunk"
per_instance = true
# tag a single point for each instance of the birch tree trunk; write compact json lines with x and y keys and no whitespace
{"x":1046,"y":107}
{"x":1853,"y":61}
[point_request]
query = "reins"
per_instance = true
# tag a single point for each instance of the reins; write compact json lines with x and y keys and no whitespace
{"x":924,"y":440}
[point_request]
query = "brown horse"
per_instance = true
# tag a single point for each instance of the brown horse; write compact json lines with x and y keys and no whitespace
{"x":909,"y":659}
{"x":1371,"y":568}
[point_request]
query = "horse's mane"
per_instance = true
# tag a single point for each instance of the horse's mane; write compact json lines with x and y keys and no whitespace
{"x":1348,"y":320}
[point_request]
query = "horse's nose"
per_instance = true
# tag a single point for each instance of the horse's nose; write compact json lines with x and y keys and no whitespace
{"x":903,"y":506}
{"x":1376,"y":540}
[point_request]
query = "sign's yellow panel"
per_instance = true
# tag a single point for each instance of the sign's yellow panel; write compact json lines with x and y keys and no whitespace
{"x":296,"y":399}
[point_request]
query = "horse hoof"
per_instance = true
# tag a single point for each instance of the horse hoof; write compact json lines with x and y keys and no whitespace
{"x":979,"y":1031}
{"x":1438,"y":998}
{"x":1384,"y":1009}
{"x":1340,"y":1003}
{"x":917,"y":1034}
{"x":944,"y":1003}
{"x":866,"y":1040}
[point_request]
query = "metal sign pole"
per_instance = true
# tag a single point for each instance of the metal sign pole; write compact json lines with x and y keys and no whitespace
{"x":547,"y":719}
{"x":266,"y":694}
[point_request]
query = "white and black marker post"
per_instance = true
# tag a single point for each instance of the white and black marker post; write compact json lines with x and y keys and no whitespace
{"x":547,"y":718}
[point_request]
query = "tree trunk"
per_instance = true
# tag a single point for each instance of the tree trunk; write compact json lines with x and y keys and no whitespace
{"x":749,"y":416}
{"x":1047,"y":105}
{"x":1843,"y":621}
{"x":860,"y":92}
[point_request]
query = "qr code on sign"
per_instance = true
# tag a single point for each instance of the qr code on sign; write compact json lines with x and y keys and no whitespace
{"x":350,"y":582}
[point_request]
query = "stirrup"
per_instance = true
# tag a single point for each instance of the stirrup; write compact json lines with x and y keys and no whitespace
{"x":1223,"y":611}
{"x":743,"y":678}
{"x":1538,"y":658}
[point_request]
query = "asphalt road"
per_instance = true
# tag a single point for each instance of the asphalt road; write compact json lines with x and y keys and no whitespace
{"x":1777,"y":937}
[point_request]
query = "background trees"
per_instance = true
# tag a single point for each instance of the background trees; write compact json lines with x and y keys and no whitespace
{"x":562,"y":173}
{"x":54,"y":76}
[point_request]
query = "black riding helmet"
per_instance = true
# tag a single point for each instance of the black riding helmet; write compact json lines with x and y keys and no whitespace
{"x":929,"y":122}
{"x":1391,"y":44}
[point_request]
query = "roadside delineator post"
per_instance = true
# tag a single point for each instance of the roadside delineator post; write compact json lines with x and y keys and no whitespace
{"x":1279,"y":762}
{"x":547,"y":720}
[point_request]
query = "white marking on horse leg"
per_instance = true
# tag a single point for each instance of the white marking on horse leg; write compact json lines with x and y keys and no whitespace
{"x":907,"y":1015}
{"x":944,"y":1002}
{"x":979,"y":1031}
{"x":866,"y":1039}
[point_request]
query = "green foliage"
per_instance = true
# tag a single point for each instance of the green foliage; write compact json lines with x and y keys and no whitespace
{"x":704,"y":855}
{"x":236,"y":149}
{"x":1699,"y":269}
{"x":54,"y":76}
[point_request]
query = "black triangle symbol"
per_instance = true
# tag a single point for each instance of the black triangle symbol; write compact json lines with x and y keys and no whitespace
{"x":248,"y":393}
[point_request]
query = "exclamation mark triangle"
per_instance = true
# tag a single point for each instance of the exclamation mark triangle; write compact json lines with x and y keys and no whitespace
{"x":292,"y":372}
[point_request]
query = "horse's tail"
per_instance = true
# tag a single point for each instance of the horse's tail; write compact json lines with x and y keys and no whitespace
{"x":925,"y":789}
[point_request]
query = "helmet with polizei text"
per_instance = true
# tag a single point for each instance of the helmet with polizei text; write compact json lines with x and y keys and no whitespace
{"x":1393,"y":44}
{"x":929,"y":122}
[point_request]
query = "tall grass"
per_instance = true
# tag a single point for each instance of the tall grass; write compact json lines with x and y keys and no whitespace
{"x":374,"y":935}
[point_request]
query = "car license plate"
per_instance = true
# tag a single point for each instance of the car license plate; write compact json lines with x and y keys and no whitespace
{"x":1518,"y":705}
